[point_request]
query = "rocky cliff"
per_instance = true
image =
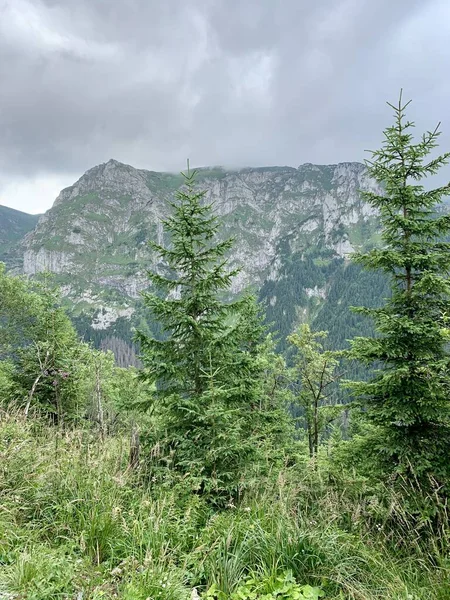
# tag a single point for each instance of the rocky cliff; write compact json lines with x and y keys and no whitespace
{"x":293,"y":228}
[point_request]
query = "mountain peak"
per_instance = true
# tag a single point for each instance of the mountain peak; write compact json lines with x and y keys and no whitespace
{"x":116,"y":163}
{"x":111,"y":165}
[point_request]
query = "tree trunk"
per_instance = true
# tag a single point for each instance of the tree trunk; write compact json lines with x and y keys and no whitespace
{"x":316,"y":426}
{"x":98,"y":394}
{"x":43,"y":366}
{"x":31,"y":394}
{"x":310,"y":441}
{"x":135,"y":448}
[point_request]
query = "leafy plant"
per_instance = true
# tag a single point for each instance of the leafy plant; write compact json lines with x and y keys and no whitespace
{"x":314,"y":373}
{"x":281,"y":587}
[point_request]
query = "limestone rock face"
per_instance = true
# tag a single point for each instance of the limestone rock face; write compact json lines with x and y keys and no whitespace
{"x":94,"y":237}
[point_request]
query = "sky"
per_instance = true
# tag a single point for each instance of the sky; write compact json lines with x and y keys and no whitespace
{"x":221,"y":82}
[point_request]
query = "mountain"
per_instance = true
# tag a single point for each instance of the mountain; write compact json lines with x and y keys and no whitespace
{"x":14,"y":224}
{"x":294,"y":229}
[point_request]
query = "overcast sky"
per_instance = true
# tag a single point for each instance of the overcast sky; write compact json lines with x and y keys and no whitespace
{"x":229,"y":82}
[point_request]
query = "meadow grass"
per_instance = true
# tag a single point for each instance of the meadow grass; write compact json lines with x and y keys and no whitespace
{"x":74,"y":519}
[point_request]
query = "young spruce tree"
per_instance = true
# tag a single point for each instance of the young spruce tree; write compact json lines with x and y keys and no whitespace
{"x":408,"y":398}
{"x":204,"y":363}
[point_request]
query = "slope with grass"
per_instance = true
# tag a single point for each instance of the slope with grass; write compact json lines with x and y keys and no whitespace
{"x":74,"y":521}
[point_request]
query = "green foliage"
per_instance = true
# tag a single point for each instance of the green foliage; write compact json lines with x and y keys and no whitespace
{"x":205,"y":363}
{"x":44,"y":574}
{"x":193,"y":317}
{"x":40,"y":341}
{"x":283,"y":298}
{"x":351,"y":285}
{"x":272,"y":420}
{"x":283,"y":587}
{"x":156,"y":584}
{"x":73,"y":520}
{"x":408,"y":398}
{"x":46,"y":368}
{"x":314,"y":374}
{"x":9,"y":389}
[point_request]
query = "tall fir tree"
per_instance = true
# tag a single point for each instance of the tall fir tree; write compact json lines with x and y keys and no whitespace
{"x":204,"y":363}
{"x":408,"y":398}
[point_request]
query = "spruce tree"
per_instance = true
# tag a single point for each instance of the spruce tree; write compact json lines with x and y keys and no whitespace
{"x":408,"y":397}
{"x":203,"y":363}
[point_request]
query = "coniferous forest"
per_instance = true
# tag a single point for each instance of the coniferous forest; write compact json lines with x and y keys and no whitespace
{"x":236,"y":462}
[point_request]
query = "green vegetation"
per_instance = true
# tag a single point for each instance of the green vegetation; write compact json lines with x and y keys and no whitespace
{"x":14,"y":224}
{"x":314,"y":373}
{"x":221,"y":469}
{"x":45,"y":367}
{"x":74,"y":517}
{"x":408,"y":398}
{"x":205,"y":362}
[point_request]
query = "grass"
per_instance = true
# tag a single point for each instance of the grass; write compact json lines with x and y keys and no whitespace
{"x":73,"y":518}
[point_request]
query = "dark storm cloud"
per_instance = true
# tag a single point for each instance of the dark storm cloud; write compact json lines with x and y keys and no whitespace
{"x":221,"y":81}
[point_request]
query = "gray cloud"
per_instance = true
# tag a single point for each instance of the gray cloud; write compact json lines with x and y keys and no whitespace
{"x":233,"y":82}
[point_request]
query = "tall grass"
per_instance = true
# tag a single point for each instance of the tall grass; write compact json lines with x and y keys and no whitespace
{"x":73,"y":519}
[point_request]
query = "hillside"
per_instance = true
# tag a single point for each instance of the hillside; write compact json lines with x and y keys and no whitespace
{"x":14,"y":224}
{"x":293,"y":229}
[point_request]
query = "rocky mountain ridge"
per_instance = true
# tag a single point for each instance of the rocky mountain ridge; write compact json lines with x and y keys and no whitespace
{"x":288,"y":224}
